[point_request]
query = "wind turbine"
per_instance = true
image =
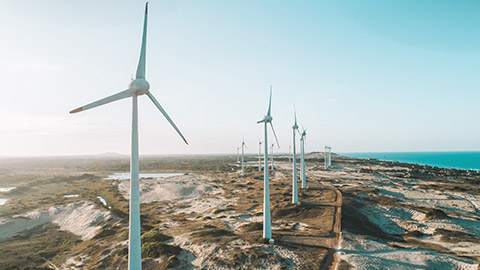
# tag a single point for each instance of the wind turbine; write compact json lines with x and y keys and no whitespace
{"x":327,"y":156}
{"x":289,"y":153}
{"x":302,"y":166}
{"x":243,"y":166}
{"x":294,"y":180}
{"x":267,"y":222}
{"x":259,"y":155}
{"x":330,"y":156}
{"x":238,"y":155}
{"x":137,"y":87}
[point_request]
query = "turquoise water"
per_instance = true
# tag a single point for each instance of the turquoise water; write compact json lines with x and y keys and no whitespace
{"x":456,"y":160}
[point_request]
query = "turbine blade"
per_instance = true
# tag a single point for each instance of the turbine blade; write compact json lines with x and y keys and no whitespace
{"x":270,"y":101}
{"x":275,"y":134}
{"x":141,"y":62}
{"x":112,"y":98}
{"x":295,"y":114}
{"x":154,"y":100}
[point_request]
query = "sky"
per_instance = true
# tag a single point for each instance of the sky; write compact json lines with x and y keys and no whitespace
{"x":365,"y":76}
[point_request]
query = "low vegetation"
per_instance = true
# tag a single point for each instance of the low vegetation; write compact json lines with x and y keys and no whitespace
{"x":37,"y":248}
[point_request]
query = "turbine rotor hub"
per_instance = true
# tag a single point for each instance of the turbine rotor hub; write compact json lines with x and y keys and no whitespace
{"x":267,"y":118}
{"x":140,"y":86}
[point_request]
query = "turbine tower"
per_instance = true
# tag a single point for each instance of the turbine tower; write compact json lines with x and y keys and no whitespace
{"x":259,"y":155}
{"x":327,"y":156}
{"x":294,"y":179}
{"x":137,"y":87}
{"x":302,"y":140}
{"x":267,"y":223}
{"x":238,"y":155}
{"x":243,"y":166}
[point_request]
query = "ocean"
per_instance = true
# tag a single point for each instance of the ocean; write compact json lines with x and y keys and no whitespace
{"x":456,"y":160}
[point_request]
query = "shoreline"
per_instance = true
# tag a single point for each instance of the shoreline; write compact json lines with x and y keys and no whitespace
{"x":410,"y":162}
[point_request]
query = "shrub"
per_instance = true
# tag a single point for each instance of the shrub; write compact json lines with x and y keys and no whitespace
{"x":156,"y":249}
{"x":262,"y":240}
{"x":154,"y":236}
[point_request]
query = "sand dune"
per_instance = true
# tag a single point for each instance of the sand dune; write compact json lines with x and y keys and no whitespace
{"x":82,"y":219}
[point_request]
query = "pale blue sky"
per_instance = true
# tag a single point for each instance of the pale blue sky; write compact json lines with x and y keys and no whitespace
{"x":364,"y":75}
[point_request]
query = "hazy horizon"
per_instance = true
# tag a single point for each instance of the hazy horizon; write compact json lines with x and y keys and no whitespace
{"x":127,"y":155}
{"x":370,"y":76}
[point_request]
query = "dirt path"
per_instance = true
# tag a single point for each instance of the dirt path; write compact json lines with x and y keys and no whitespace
{"x":331,"y":261}
{"x":332,"y":242}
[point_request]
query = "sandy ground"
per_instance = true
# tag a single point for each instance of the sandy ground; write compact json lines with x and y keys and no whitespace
{"x":170,"y":188}
{"x":359,"y":251}
{"x":200,"y":197}
{"x":82,"y":219}
{"x":403,"y":209}
{"x":363,"y":252}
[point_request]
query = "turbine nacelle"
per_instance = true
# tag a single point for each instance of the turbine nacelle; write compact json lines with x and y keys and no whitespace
{"x":140,"y":86}
{"x":266,"y":119}
{"x":295,"y":126}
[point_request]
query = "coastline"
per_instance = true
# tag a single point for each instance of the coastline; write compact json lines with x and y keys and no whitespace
{"x":460,"y":160}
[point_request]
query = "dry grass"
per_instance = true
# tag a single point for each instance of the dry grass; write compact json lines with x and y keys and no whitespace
{"x":34,"y":248}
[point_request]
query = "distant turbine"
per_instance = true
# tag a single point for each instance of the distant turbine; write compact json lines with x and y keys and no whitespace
{"x":289,"y":154}
{"x":137,"y":87}
{"x":243,"y":166}
{"x":259,"y":155}
{"x":330,"y":156}
{"x":302,"y":164}
{"x":294,"y":179}
{"x":238,"y":155}
{"x":267,"y":223}
{"x":327,"y":156}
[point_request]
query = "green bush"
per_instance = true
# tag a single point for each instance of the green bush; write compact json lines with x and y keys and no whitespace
{"x":156,"y":249}
{"x":124,"y":234}
{"x":154,"y":236}
{"x":262,"y":240}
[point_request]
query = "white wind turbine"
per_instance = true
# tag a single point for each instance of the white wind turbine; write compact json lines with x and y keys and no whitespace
{"x":267,"y":223}
{"x":302,"y":164}
{"x":327,"y":156}
{"x":259,"y":155}
{"x":238,"y":155}
{"x":243,"y":166}
{"x":294,"y":180}
{"x":137,"y":87}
